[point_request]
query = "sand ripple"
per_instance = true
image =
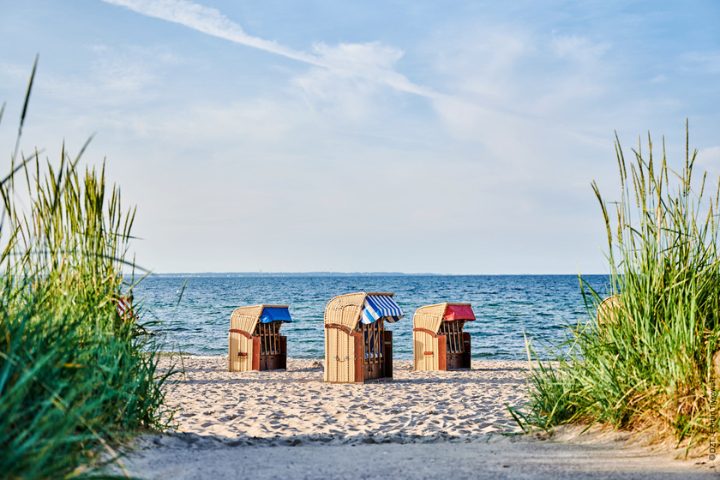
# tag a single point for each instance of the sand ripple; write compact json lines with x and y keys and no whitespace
{"x":296,"y":406}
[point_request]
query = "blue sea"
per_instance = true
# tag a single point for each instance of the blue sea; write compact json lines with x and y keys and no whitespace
{"x":194,"y":310}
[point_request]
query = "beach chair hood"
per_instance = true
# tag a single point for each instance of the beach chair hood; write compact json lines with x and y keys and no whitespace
{"x":458,"y":311}
{"x":432,"y":316}
{"x":380,"y":306}
{"x":247,"y":318}
{"x":350,"y":309}
{"x":275,"y":314}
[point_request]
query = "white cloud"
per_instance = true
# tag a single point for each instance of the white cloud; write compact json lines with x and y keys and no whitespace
{"x":351,"y":90}
{"x":578,"y":48}
{"x":209,"y":21}
{"x":121,"y":77}
{"x":114,"y":77}
{"x":709,"y":158}
{"x":13,"y":77}
{"x":477,"y":60}
{"x":502,"y":157}
{"x":346,"y":98}
{"x":213,"y":173}
{"x":517,"y":92}
{"x":704,"y":61}
{"x":370,"y":61}
{"x":344,"y":78}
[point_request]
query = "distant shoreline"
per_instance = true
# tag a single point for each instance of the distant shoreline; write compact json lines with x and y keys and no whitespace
{"x":362,"y":274}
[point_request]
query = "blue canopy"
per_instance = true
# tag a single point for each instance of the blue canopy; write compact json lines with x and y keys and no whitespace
{"x":380,"y":306}
{"x":275,"y":314}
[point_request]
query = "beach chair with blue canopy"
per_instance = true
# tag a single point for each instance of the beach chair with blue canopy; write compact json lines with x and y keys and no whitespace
{"x":255,"y":342}
{"x":358,"y":348}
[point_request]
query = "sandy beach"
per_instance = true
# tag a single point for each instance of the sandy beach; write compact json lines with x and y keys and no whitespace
{"x":296,"y":406}
{"x":292,"y":424}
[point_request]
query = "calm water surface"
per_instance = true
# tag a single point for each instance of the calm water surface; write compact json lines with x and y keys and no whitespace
{"x":506,"y":306}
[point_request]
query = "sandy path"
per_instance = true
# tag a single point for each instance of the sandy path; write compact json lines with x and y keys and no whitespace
{"x":495,"y":457}
{"x":266,"y":425}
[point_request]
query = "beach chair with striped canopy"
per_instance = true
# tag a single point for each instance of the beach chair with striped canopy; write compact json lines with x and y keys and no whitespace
{"x":357,"y":346}
{"x":439,"y":342}
{"x":255,"y":342}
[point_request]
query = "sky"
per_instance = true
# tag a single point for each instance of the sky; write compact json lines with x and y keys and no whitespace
{"x":375,"y":136}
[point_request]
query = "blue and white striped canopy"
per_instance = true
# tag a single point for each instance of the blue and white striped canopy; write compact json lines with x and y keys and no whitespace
{"x":380,"y":306}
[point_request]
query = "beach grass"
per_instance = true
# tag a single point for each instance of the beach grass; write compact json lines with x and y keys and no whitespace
{"x":647,"y":363}
{"x":75,"y":376}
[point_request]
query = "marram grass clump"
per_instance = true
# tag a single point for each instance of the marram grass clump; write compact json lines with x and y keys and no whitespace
{"x":75,"y":375}
{"x":649,"y":361}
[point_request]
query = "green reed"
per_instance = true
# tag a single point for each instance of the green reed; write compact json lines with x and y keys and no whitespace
{"x":75,"y":377}
{"x":648,"y":365}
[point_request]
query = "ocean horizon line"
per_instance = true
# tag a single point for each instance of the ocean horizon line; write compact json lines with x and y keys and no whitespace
{"x":362,"y":274}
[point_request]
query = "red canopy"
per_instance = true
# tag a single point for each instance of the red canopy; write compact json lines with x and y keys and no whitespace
{"x":459,"y":312}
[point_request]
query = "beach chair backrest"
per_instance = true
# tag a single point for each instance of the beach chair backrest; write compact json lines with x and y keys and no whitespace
{"x":453,"y":332}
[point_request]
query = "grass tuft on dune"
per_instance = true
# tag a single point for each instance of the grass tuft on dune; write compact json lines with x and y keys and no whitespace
{"x":646,"y":362}
{"x":75,"y":377}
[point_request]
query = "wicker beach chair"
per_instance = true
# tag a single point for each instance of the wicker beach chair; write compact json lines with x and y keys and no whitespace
{"x":357,"y":346}
{"x":125,"y":308}
{"x":607,"y":310}
{"x":255,"y":342}
{"x":439,"y":342}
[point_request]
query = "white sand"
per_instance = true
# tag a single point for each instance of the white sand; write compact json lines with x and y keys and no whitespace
{"x":296,"y":405}
{"x":421,"y":425}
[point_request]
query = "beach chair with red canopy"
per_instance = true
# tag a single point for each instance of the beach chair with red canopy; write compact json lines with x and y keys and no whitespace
{"x":439,"y":342}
